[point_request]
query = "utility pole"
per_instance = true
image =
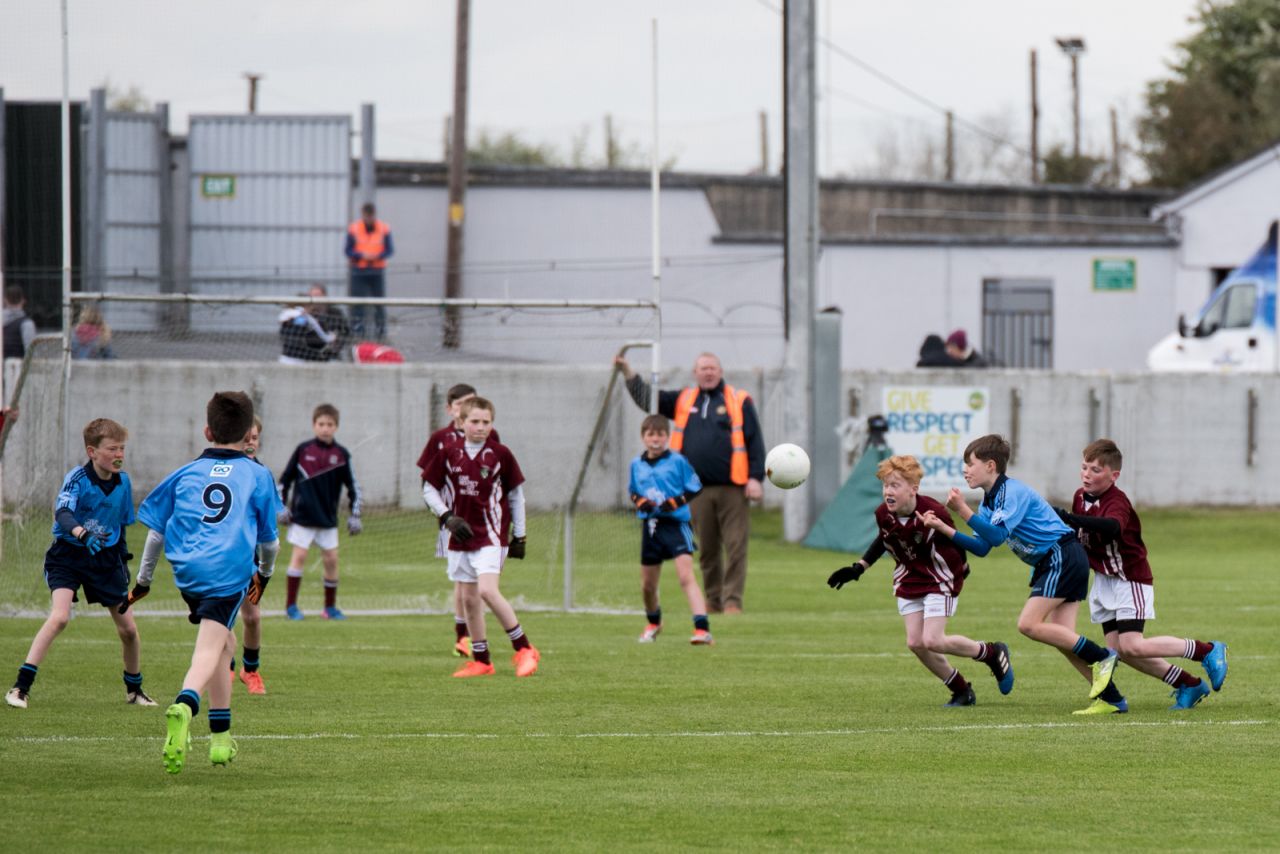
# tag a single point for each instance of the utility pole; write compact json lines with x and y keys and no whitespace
{"x":1115,"y":150}
{"x":610,"y":151}
{"x":951,"y":146}
{"x":764,"y":143}
{"x":1074,"y":47}
{"x":253,"y":79}
{"x":1035,"y":122}
{"x":457,"y":176}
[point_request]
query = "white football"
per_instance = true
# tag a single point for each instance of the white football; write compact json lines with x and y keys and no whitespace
{"x":786,"y":466}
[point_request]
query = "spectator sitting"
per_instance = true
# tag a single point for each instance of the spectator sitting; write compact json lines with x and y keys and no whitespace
{"x":332,"y":319}
{"x":92,"y":339}
{"x":965,"y":356}
{"x":933,"y":354}
{"x":302,"y":339}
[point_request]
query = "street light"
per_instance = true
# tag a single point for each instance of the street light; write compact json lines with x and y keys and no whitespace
{"x":1073,"y":46}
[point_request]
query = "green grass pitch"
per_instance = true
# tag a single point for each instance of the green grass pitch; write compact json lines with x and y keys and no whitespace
{"x":808,"y":726}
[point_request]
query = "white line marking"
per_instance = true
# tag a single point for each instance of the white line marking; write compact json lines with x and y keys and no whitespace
{"x":821,"y":733}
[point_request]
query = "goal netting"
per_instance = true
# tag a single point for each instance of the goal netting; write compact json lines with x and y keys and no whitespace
{"x":153,"y":363}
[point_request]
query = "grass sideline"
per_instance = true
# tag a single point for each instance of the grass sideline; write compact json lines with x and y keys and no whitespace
{"x":808,"y":726}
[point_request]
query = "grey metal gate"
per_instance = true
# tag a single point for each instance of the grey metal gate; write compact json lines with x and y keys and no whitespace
{"x":1017,"y":322}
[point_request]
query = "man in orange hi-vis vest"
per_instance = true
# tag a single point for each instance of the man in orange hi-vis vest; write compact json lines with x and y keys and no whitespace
{"x":716,"y":427}
{"x":368,"y":248}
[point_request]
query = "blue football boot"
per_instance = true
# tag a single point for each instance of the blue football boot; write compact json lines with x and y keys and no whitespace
{"x":1188,"y":696}
{"x":1215,"y":664}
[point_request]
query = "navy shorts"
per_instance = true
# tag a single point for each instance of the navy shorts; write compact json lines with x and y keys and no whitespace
{"x":220,"y":609}
{"x":103,"y":577}
{"x":1063,"y":572}
{"x":663,"y":539}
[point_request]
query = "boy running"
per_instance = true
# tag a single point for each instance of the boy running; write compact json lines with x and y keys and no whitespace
{"x":209,"y":518}
{"x":88,"y":551}
{"x":928,"y":574}
{"x":320,"y":468}
{"x":1013,"y":512}
{"x":1123,"y":595}
{"x":487,"y":502}
{"x":662,"y":485}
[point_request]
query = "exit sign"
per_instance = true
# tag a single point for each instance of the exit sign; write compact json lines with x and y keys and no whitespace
{"x":218,"y":186}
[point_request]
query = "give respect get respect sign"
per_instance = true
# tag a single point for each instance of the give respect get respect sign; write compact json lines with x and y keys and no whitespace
{"x":934,"y":424}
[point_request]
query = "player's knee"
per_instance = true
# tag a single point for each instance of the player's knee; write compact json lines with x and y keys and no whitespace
{"x":1130,"y":646}
{"x":935,"y":645}
{"x":1028,"y":627}
{"x":917,"y":646}
{"x":58,"y":621}
{"x":128,"y":634}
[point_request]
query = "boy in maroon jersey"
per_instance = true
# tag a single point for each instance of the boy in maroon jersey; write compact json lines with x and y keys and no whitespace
{"x":487,"y":502}
{"x":1122,"y":598}
{"x":447,"y":437}
{"x":927,"y":577}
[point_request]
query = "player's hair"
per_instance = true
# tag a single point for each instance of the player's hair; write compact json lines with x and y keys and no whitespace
{"x":459,"y":391}
{"x":991,"y":447}
{"x":99,"y":430}
{"x":656,"y":424}
{"x":325,"y":409}
{"x":257,"y":422}
{"x":1105,"y":452}
{"x":229,"y":416}
{"x":904,"y":464}
{"x":478,"y":403}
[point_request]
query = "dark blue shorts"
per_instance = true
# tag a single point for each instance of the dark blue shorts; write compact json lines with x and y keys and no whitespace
{"x":103,"y":577}
{"x":220,"y":609}
{"x":1063,"y":572}
{"x":663,"y":539}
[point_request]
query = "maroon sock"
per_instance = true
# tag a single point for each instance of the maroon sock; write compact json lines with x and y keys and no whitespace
{"x":518,"y":639}
{"x":986,"y":652}
{"x":460,"y":628}
{"x":956,"y":683}
{"x":480,"y":652}
{"x":1179,"y":678}
{"x":330,"y":594}
{"x":291,"y":595}
{"x":1197,"y":650}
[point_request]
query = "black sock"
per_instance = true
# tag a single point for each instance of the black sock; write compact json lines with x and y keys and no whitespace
{"x":26,"y":675}
{"x":654,"y":617}
{"x":219,"y":720}
{"x":133,"y":681}
{"x":480,"y":651}
{"x":700,"y":621}
{"x":250,"y":659}
{"x":1112,"y":695}
{"x":1088,"y":651}
{"x":189,"y":698}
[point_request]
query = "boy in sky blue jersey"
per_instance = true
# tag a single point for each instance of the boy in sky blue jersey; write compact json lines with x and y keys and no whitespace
{"x":88,"y":552}
{"x":1013,"y":512}
{"x":209,"y":518}
{"x":662,"y":484}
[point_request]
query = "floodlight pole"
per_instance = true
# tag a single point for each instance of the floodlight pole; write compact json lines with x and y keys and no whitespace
{"x":65,"y":402}
{"x":1074,"y":47}
{"x":800,"y":248}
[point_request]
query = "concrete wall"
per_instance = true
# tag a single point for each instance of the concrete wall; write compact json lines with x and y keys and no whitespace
{"x":1184,"y":437}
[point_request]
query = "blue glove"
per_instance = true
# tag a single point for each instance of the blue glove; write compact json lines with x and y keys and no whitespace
{"x":91,"y":540}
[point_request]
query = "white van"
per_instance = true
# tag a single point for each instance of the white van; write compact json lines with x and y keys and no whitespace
{"x":1235,"y":330}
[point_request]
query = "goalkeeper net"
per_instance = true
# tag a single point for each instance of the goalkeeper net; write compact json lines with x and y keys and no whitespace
{"x":152,"y":364}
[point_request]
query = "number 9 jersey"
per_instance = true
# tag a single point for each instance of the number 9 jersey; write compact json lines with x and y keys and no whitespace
{"x":213,"y":513}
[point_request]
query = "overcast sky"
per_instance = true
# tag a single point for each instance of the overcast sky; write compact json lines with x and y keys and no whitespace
{"x":552,"y":69}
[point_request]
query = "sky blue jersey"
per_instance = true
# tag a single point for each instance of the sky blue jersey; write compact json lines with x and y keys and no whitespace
{"x":1028,"y":521}
{"x":669,"y":476}
{"x":98,"y":506}
{"x":213,"y":512}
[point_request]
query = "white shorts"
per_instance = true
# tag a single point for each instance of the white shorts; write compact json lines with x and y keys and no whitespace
{"x":1114,"y":598}
{"x":933,"y":605}
{"x":468,"y":566}
{"x":302,"y":537}
{"x":442,"y":543}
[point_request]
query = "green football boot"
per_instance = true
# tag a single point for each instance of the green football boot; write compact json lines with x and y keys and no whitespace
{"x":177,"y":720}
{"x":222,"y":748}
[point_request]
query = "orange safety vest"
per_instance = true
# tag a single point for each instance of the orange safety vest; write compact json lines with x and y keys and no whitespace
{"x":733,"y":401}
{"x":369,"y":243}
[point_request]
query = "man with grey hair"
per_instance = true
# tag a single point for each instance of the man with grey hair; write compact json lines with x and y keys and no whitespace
{"x":716,"y":427}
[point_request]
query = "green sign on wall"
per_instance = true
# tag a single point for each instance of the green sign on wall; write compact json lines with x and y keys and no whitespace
{"x":1115,"y":274}
{"x":218,"y":186}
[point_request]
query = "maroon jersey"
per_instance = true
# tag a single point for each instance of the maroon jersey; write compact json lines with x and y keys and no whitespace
{"x":1124,"y":556}
{"x":443,"y":439}
{"x":480,"y":487}
{"x":927,"y":562}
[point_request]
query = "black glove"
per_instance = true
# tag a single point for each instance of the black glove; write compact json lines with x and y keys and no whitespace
{"x":1063,"y":515}
{"x":139,"y":590}
{"x":673,"y":504}
{"x":516,"y":548}
{"x":644,"y":505}
{"x":845,"y":574}
{"x":457,"y":526}
{"x":91,"y":541}
{"x":257,"y":586}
